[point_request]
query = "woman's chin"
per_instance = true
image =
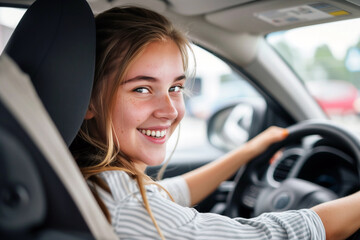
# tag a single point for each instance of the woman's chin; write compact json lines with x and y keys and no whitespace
{"x":155,"y":162}
{"x":149,"y":161}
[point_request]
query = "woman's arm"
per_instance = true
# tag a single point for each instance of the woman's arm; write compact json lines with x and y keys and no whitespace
{"x":206,"y":179}
{"x":340,"y":217}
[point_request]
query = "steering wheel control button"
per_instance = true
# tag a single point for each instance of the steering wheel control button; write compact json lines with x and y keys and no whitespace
{"x":282,"y":201}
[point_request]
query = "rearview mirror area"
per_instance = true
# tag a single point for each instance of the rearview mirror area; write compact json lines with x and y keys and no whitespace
{"x":234,"y":124}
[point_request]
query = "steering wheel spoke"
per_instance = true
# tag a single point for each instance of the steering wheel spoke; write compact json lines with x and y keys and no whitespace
{"x":292,"y":193}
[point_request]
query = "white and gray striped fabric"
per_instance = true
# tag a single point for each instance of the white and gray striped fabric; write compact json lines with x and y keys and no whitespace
{"x":131,"y":221}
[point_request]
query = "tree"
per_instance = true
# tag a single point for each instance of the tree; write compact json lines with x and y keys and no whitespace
{"x":334,"y":68}
{"x":293,"y":58}
{"x":353,"y":71}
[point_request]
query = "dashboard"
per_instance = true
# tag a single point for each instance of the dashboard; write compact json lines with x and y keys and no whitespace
{"x":317,"y":161}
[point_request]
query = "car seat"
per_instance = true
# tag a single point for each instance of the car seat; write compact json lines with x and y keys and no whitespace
{"x":46,"y":75}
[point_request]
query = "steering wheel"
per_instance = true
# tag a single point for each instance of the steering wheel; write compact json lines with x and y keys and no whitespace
{"x":292,"y":193}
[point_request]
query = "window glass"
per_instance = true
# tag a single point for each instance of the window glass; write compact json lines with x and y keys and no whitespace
{"x":9,"y":18}
{"x":327,"y":59}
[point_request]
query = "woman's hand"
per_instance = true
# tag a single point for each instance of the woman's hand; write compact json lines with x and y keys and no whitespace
{"x":262,"y":141}
{"x":206,"y":179}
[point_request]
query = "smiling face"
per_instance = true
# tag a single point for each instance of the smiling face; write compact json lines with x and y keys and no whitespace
{"x":149,"y":104}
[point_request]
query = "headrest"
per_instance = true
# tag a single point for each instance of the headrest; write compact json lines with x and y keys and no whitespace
{"x":54,"y":43}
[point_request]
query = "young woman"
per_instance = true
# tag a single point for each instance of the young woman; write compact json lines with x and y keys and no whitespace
{"x":137,"y":103}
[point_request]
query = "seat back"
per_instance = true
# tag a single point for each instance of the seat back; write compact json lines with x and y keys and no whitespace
{"x":54,"y":43}
{"x":42,"y":192}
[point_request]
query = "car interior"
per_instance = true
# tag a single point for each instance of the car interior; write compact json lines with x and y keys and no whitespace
{"x":37,"y":199}
{"x":47,"y":69}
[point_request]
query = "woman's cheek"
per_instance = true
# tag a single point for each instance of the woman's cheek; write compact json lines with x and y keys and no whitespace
{"x":181,"y":110}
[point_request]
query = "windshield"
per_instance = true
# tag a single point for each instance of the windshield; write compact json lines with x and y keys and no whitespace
{"x":326,"y":57}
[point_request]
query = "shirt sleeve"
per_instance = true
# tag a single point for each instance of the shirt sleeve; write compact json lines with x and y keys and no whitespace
{"x":178,"y":223}
{"x":131,"y":220}
{"x":300,"y":224}
{"x":178,"y":189}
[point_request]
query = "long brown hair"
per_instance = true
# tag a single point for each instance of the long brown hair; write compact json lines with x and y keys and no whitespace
{"x":122,"y":34}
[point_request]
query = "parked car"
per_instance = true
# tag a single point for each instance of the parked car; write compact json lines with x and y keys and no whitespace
{"x":334,"y":97}
{"x":275,"y":46}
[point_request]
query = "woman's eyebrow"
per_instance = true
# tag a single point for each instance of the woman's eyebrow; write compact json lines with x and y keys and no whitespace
{"x":140,"y":78}
{"x":181,"y":77}
{"x":151,"y":79}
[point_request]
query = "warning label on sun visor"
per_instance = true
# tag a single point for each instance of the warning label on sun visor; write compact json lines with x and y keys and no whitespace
{"x":302,"y":13}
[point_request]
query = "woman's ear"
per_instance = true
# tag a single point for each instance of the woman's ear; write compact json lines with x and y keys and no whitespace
{"x":89,"y":113}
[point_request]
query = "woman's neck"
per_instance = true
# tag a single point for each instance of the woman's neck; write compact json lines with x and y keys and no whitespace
{"x":140,"y":166}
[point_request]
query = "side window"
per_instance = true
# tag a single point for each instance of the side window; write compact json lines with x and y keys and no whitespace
{"x":215,"y":86}
{"x":9,"y":18}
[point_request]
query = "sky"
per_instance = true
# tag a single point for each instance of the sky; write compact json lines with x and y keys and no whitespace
{"x":339,"y":36}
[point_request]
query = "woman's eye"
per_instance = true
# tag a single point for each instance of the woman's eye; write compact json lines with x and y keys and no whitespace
{"x":141,"y":90}
{"x":176,"y":89}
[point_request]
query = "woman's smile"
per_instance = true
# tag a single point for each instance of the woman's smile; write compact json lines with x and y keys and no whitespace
{"x":159,"y":134}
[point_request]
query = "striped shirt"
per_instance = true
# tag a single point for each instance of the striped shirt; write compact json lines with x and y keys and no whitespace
{"x":130,"y":220}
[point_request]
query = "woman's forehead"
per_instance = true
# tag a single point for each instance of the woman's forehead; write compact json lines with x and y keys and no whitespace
{"x":156,"y":60}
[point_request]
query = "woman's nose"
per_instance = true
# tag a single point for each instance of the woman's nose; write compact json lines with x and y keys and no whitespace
{"x":166,"y":108}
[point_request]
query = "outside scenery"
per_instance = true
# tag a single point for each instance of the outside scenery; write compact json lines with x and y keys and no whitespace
{"x":327,"y":58}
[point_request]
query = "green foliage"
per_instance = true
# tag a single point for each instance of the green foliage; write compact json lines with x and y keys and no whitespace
{"x":334,"y":68}
{"x":323,"y":65}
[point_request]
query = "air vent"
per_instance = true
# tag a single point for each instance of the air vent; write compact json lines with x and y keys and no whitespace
{"x":284,"y":166}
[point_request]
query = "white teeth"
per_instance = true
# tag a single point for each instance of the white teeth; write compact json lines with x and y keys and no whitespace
{"x":153,"y":133}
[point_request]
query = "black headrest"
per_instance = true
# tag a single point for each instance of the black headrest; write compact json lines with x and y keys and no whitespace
{"x":54,"y":44}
